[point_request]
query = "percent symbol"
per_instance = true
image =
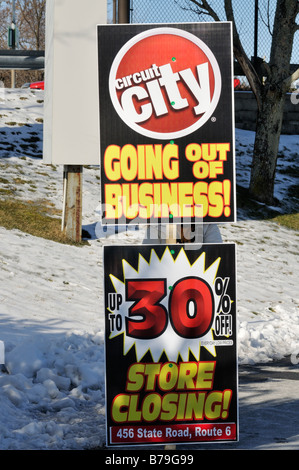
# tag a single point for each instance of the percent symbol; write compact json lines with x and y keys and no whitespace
{"x":221,"y":286}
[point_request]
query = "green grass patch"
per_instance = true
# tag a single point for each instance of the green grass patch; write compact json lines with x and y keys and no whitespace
{"x":6,"y":192}
{"x":33,"y":218}
{"x":4,"y":180}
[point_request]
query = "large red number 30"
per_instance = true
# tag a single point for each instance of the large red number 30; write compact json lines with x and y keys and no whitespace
{"x":191,"y":308}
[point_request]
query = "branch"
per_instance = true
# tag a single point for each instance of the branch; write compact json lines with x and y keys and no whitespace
{"x":266,"y":22}
{"x":206,"y":6}
{"x":201,"y":8}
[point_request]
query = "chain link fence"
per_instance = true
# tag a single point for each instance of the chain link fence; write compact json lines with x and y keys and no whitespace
{"x":254,"y":21}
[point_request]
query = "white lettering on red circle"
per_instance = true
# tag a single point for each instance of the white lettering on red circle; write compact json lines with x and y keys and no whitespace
{"x":165,"y":83}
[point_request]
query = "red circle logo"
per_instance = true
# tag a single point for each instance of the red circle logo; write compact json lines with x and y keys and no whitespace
{"x":165,"y":83}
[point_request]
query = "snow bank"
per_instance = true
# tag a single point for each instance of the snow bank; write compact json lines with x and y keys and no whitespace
{"x":51,"y":297}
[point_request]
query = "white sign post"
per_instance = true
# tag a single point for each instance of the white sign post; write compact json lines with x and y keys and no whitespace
{"x":71,"y":114}
{"x":71,"y":117}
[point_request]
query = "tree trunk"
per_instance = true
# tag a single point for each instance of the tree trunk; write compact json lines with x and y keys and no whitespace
{"x":268,"y":129}
{"x":271,"y":102}
{"x":270,"y":93}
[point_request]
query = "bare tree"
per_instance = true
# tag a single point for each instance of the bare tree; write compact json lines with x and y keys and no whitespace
{"x":271,"y":97}
{"x":30,"y":20}
{"x":5,"y":20}
{"x":269,"y":88}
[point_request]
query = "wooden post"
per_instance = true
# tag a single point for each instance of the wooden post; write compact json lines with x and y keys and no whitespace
{"x":171,"y":240}
{"x":72,"y":202}
{"x":13,"y":78}
{"x":123,"y":17}
{"x":172,"y":234}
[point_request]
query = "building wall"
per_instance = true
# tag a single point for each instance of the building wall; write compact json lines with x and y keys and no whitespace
{"x":246,"y":108}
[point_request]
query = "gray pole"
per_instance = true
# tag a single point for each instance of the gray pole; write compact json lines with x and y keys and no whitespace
{"x":13,"y":11}
{"x":114,"y":12}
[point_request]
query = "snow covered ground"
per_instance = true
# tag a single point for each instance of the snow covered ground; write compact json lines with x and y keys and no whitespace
{"x":51,"y":299}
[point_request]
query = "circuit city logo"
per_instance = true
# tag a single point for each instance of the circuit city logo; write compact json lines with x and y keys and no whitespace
{"x":165,"y":83}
